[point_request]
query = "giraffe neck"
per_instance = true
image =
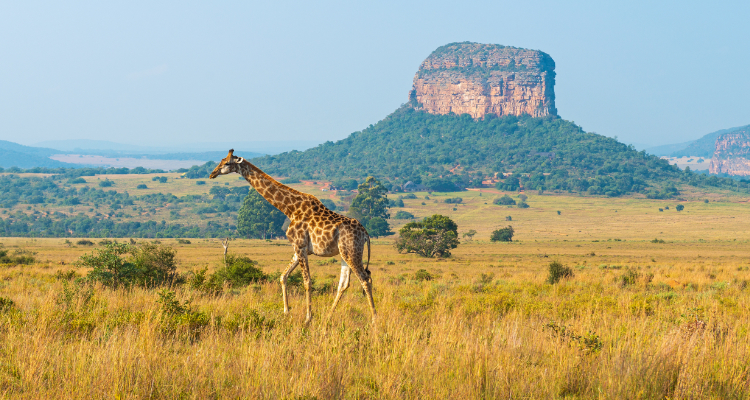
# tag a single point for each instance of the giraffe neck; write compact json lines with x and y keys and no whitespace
{"x":286,"y":199}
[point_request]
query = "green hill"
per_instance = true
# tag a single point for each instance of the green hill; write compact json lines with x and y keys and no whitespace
{"x":451,"y":152}
{"x":17,"y":155}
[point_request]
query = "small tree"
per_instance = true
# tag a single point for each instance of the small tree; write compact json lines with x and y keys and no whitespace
{"x":258,"y":218}
{"x":432,"y":237}
{"x":680,"y":207}
{"x":502,"y":234}
{"x":558,"y":271}
{"x":370,"y":207}
{"x":504,"y":201}
{"x":470,"y":234}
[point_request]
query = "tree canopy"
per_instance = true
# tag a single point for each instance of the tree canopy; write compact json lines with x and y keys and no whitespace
{"x":434,"y":236}
{"x":259,"y":219}
{"x":370,"y":207}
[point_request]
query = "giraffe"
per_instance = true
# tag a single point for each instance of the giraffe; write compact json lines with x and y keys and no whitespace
{"x":313,"y":229}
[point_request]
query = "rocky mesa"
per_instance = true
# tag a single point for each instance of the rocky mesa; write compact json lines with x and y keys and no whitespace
{"x":732,"y":154}
{"x":480,"y":79}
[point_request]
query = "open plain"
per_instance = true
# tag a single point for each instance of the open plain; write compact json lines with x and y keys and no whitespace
{"x":658,"y":307}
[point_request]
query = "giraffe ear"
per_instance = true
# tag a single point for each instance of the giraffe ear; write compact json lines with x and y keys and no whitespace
{"x":240,"y":160}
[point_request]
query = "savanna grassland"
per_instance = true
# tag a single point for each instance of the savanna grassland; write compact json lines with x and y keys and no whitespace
{"x":640,"y":318}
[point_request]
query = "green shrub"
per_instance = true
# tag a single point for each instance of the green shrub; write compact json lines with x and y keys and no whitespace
{"x":142,"y":186}
{"x":504,"y":201}
{"x":680,"y":207}
{"x":410,"y":196}
{"x":24,"y":257}
{"x":200,"y":182}
{"x":74,"y":181}
{"x":403,"y":215}
{"x":453,"y":200}
{"x":176,"y":316}
{"x":183,"y":241}
{"x":522,"y":204}
{"x":85,"y":242}
{"x":558,"y":271}
{"x":657,"y":240}
{"x":422,"y":275}
{"x":502,"y":234}
{"x":629,"y":277}
{"x":239,"y":271}
{"x":147,"y":265}
{"x":106,"y":183}
{"x":6,"y":304}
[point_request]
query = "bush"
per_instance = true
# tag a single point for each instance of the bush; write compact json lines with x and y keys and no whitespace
{"x":183,"y":241}
{"x":403,"y":215}
{"x":6,"y":304}
{"x":504,"y":201}
{"x":239,"y":271}
{"x":19,"y":257}
{"x":106,"y":183}
{"x":410,"y":196}
{"x":76,"y":180}
{"x":453,"y":200}
{"x":680,"y":207}
{"x":522,"y":204}
{"x":432,"y":237}
{"x":148,"y":265}
{"x":558,"y":271}
{"x":657,"y":240}
{"x":502,"y":234}
{"x":422,"y":275}
{"x":180,"y":316}
{"x":200,"y":182}
{"x":142,"y":186}
{"x":85,"y":242}
{"x":629,"y":277}
{"x":523,"y":197}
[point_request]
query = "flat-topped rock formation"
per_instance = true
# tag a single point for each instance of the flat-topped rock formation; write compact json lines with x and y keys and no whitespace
{"x":480,"y":79}
{"x":732,"y":154}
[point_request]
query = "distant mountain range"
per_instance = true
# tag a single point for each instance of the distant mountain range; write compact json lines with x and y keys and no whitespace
{"x":703,"y":147}
{"x":18,"y":155}
{"x":104,"y":147}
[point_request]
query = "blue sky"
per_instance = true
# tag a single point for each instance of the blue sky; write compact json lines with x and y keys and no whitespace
{"x":193,"y":72}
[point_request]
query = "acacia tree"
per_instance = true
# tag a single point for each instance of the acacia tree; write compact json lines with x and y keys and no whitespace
{"x":370,"y":207}
{"x":259,"y":219}
{"x":433,"y":237}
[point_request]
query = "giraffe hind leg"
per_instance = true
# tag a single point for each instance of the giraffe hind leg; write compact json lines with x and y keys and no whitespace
{"x":343,"y":285}
{"x":364,"y":278}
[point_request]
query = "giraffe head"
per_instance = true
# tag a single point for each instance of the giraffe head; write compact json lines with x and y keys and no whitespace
{"x":227,"y":165}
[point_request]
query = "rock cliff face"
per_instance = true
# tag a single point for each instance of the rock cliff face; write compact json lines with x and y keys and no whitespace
{"x":479,"y":79}
{"x":732,"y":154}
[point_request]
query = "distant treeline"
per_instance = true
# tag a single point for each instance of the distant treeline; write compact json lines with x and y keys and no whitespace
{"x":110,"y":210}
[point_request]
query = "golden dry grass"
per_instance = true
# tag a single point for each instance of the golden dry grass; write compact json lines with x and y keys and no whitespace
{"x":487,"y":326}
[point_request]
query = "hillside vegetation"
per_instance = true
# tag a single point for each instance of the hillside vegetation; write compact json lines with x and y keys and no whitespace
{"x":447,"y":152}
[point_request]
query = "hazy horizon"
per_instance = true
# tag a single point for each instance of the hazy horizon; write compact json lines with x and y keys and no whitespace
{"x":172,"y":74}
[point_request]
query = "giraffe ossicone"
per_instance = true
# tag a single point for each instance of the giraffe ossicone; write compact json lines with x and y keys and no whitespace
{"x":313,"y":229}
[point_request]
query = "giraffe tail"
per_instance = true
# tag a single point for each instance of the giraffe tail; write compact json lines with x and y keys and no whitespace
{"x":367,"y":267}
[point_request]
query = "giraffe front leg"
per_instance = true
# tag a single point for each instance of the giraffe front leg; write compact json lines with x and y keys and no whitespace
{"x":308,"y":282}
{"x":284,"y":275}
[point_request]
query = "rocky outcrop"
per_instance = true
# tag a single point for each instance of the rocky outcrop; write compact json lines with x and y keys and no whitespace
{"x":732,"y":154}
{"x":480,"y":79}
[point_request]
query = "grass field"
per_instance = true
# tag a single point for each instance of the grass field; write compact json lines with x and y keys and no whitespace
{"x":638,"y":320}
